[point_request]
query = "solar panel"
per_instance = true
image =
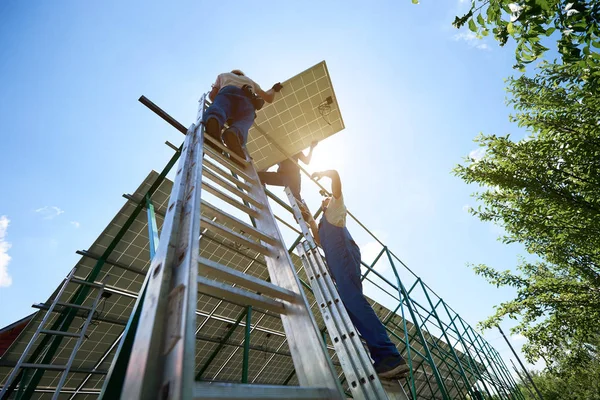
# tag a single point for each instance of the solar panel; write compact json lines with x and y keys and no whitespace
{"x":305,"y":110}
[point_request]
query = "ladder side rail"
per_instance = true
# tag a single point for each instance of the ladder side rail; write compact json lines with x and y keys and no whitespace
{"x":309,"y":354}
{"x":357,"y":367}
{"x":162,"y":360}
{"x":351,"y":353}
{"x":78,"y":343}
{"x":21,"y":360}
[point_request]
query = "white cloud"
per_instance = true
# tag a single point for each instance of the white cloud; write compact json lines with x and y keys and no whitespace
{"x":477,"y":154}
{"x":517,"y":338}
{"x":75,"y":224}
{"x":471,"y":39}
{"x":49,"y":212}
{"x":370,"y":251}
{"x":5,"y":278}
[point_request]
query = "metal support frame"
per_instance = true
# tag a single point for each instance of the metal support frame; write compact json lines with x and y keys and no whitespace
{"x":474,"y":364}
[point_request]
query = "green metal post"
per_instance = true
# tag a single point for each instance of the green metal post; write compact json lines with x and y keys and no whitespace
{"x":247,"y":345}
{"x":403,"y":293}
{"x":435,"y":314}
{"x":472,"y":363}
{"x":220,"y":345}
{"x":373,"y":264}
{"x":482,"y":350}
{"x":67,"y":316}
{"x":152,"y":227}
{"x":113,"y":383}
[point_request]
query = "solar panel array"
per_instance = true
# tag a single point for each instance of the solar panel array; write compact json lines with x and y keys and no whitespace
{"x":307,"y":110}
{"x":123,"y":275}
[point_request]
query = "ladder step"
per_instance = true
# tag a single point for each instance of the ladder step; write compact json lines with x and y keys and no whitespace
{"x":228,"y":199}
{"x":229,"y":164}
{"x":231,"y":391}
{"x":241,"y":225}
{"x":238,"y":296}
{"x":82,"y":282}
{"x":50,"y":367}
{"x":226,"y":185}
{"x":59,"y":333}
{"x":71,"y":305}
{"x":234,"y":236}
{"x":220,"y":145}
{"x":237,"y":182}
{"x":220,"y":271}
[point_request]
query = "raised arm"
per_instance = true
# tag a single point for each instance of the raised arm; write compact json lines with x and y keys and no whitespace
{"x":306,"y":159}
{"x":269,"y":95}
{"x":336,"y":183}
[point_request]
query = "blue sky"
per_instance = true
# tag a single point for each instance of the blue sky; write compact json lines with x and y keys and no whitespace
{"x":413,"y":92}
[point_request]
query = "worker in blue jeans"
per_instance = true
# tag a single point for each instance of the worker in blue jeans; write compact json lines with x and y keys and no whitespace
{"x":235,"y":99}
{"x":343,"y":259}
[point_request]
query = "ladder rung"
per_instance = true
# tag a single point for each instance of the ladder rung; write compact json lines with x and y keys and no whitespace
{"x":226,"y":185}
{"x":229,"y":164}
{"x":59,"y":333}
{"x":238,"y":296}
{"x":238,"y":182}
{"x":220,"y":145}
{"x":82,"y":282}
{"x":228,"y":199}
{"x":231,"y":391}
{"x":241,"y":225}
{"x":71,"y":305}
{"x":220,"y":271}
{"x":44,"y":366}
{"x":234,"y":236}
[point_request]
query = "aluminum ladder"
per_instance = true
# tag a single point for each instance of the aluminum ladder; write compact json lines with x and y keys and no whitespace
{"x":42,"y":330}
{"x":162,"y":358}
{"x":363,"y":382}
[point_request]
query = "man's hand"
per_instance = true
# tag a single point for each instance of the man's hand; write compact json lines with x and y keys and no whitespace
{"x":318,"y":175}
{"x":277,"y":87}
{"x":314,"y":144}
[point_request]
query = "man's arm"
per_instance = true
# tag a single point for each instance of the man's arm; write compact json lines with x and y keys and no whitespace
{"x":215,"y":89}
{"x":336,"y":183}
{"x":269,"y":95}
{"x":306,"y":159}
{"x":312,"y":225}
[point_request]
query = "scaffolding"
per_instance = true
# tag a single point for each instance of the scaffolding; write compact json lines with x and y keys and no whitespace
{"x":448,"y":358}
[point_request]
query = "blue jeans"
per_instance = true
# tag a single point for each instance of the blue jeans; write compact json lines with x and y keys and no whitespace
{"x":343,"y":259}
{"x":232,"y":104}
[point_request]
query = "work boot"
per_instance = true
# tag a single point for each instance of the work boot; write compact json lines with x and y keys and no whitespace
{"x":232,"y":141}
{"x":213,"y":129}
{"x":391,"y":367}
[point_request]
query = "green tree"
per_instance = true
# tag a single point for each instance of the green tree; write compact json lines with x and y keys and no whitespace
{"x":545,"y":191}
{"x":573,"y":24}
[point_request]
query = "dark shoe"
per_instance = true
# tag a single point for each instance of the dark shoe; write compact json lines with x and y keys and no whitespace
{"x":213,"y":128}
{"x":391,"y":367}
{"x":232,"y":141}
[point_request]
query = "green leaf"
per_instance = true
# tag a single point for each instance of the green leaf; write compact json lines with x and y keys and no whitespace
{"x":480,"y":20}
{"x":472,"y":25}
{"x":510,"y":28}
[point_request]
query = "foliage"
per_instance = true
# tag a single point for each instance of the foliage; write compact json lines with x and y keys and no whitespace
{"x":573,"y":379}
{"x":545,"y":192}
{"x":574,"y":24}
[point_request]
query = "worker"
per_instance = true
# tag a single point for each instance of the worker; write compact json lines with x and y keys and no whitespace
{"x":343,"y":259}
{"x":235,"y":99}
{"x":288,"y":173}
